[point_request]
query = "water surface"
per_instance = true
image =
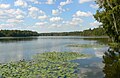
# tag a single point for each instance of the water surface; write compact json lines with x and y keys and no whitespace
{"x":15,"y":49}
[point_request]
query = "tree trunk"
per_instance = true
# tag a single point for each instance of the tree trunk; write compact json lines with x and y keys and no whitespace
{"x":114,"y":20}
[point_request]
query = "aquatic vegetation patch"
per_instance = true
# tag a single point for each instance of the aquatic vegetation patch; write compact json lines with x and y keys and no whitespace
{"x":86,"y":45}
{"x":44,"y":65}
{"x":59,"y":56}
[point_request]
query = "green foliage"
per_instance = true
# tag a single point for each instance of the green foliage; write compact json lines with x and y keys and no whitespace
{"x":95,"y":32}
{"x":111,"y":59}
{"x":89,"y":32}
{"x":26,"y":33}
{"x":114,"y":45}
{"x":45,"y":65}
{"x":108,"y":15}
{"x":17,"y":33}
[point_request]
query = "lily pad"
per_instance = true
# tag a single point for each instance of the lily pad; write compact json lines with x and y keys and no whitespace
{"x":45,"y":65}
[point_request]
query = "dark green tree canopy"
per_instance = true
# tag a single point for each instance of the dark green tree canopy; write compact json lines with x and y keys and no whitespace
{"x":109,"y":15}
{"x":17,"y":33}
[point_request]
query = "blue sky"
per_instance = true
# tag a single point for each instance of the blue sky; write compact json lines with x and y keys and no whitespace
{"x":48,"y":15}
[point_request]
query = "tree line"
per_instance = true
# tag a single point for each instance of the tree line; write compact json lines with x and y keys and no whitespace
{"x":17,"y":33}
{"x":89,"y":32}
{"x":26,"y":33}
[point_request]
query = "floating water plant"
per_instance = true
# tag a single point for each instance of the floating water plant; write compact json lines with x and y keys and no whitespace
{"x":58,"y":56}
{"x":45,"y":65}
{"x":86,"y":45}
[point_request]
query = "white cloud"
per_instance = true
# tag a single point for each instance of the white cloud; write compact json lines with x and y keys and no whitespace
{"x":74,"y":22}
{"x":20,"y":3}
{"x":6,"y":25}
{"x":95,"y":23}
{"x":84,"y":1}
{"x":40,"y":23}
{"x":19,"y":17}
{"x":34,"y":12}
{"x":55,"y":26}
{"x":55,"y":19}
{"x":4,"y":6}
{"x":43,"y":17}
{"x":50,"y":1}
{"x":11,"y":13}
{"x":1,"y":12}
{"x":17,"y":12}
{"x":35,"y":1}
{"x":60,"y":7}
{"x":14,"y":21}
{"x":33,"y":9}
{"x":55,"y":12}
{"x":95,"y":6}
{"x":82,"y":14}
{"x":12,"y":16}
{"x":65,"y":3}
{"x":77,"y":19}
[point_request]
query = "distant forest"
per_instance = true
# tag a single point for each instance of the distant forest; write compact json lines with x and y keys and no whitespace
{"x":90,"y":32}
{"x":26,"y":33}
{"x":17,"y":33}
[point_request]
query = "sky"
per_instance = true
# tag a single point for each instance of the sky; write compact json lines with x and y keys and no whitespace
{"x":48,"y":15}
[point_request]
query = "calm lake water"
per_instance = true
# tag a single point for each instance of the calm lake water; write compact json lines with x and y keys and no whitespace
{"x":15,"y":49}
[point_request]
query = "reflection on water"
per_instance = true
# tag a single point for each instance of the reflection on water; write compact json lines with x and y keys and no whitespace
{"x":91,"y":67}
{"x":16,"y":39}
{"x":111,"y":60}
{"x":15,"y":49}
{"x":103,"y":40}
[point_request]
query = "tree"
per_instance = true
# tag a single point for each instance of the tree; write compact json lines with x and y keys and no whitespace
{"x":111,"y":59}
{"x":108,"y":15}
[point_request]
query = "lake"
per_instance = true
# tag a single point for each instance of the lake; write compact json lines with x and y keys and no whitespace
{"x":15,"y":49}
